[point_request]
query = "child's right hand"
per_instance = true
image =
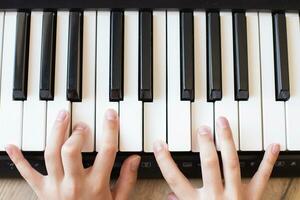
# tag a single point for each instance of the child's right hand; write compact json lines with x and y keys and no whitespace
{"x":213,"y":187}
{"x":67,"y":179}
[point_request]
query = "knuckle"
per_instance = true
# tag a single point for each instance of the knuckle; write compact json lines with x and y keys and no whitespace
{"x":98,"y":188}
{"x":80,"y":133}
{"x":69,"y":150}
{"x":233,"y":163}
{"x":172,"y":181}
{"x":109,"y":149}
{"x":50,"y":154}
{"x":210,"y":161}
{"x":265,"y":175}
{"x":72,"y":189}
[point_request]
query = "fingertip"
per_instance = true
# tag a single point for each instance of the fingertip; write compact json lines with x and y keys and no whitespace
{"x":111,"y":115}
{"x":80,"y":126}
{"x":60,"y":127}
{"x":135,"y":163}
{"x":159,"y":146}
{"x":275,"y":149}
{"x":204,"y":131}
{"x":12,"y":151}
{"x":172,"y":196}
{"x":111,"y":120}
{"x":223,"y":123}
{"x":62,"y":116}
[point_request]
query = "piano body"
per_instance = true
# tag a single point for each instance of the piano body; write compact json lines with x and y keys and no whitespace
{"x":166,"y":66}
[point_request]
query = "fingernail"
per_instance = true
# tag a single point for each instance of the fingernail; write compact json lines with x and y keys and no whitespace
{"x":204,"y":130}
{"x":172,"y":197}
{"x":135,"y":163}
{"x":159,"y":145}
{"x":61,"y":116}
{"x":275,"y":149}
{"x":222,"y":122}
{"x":80,"y":126}
{"x":111,"y":115}
{"x":9,"y":151}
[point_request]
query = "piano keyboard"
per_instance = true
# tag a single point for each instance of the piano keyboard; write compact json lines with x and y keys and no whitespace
{"x":165,"y":72}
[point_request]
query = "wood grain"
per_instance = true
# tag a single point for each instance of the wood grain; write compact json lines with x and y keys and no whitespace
{"x":278,"y":188}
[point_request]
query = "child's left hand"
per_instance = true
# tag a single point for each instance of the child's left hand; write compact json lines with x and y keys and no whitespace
{"x":67,"y":179}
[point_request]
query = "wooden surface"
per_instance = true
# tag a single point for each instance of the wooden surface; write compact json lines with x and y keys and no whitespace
{"x":278,"y":188}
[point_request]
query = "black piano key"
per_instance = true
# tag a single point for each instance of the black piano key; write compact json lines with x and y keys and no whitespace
{"x":74,"y":79}
{"x":282,"y":87}
{"x":241,"y":79}
{"x":21,"y":56}
{"x":48,"y":56}
{"x":214,"y":71}
{"x":116,"y":56}
{"x":187,"y":56}
{"x":145,"y":56}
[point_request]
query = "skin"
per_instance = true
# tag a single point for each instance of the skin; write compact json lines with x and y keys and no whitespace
{"x":67,"y":179}
{"x":213,"y":186}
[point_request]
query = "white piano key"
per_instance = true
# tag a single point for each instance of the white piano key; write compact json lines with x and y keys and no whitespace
{"x":84,"y":111}
{"x":102,"y":73}
{"x":202,"y":111}
{"x":131,"y":116}
{"x":227,"y":107}
{"x":273,"y":111}
{"x":1,"y":39}
{"x":10,"y":111}
{"x":250,"y":111}
{"x":34,"y":134}
{"x":179,"y":116}
{"x":60,"y":101}
{"x":155,"y":112}
{"x":293,"y":104}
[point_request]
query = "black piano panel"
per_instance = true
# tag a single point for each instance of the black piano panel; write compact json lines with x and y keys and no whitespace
{"x":287,"y":165}
{"x":177,"y":4}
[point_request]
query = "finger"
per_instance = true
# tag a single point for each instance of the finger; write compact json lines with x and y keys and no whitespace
{"x":71,"y":151}
{"x":231,"y":164}
{"x":172,"y":196}
{"x":108,"y":148}
{"x":260,"y":179}
{"x":127,"y":179}
{"x":176,"y":180}
{"x":59,"y":134}
{"x":33,"y":178}
{"x":210,"y":167}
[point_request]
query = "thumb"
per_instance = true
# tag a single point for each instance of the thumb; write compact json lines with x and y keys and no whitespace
{"x":127,"y":178}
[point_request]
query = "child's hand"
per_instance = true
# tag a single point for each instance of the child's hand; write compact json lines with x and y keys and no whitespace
{"x":67,"y":179}
{"x":213,"y":187}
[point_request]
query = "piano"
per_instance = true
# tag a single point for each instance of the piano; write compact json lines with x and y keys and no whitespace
{"x":166,"y":66}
